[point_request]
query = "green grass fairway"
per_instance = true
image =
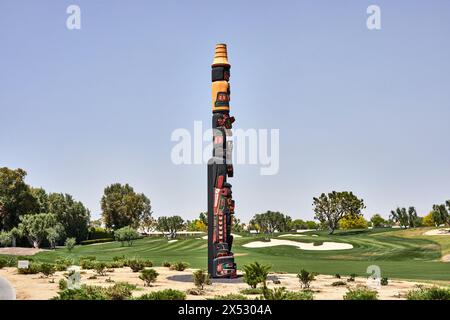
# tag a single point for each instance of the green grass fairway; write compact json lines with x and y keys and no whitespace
{"x":404,"y":254}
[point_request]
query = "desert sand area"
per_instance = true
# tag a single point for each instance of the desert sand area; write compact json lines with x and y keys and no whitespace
{"x":437,"y":232}
{"x":37,"y":287}
{"x":301,"y":245}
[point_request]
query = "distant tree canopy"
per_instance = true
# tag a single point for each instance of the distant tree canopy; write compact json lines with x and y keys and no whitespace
{"x":350,"y":222}
{"x":170,"y":225}
{"x":299,"y":224}
{"x":199,"y":224}
{"x":16,"y":198}
{"x":406,"y":218}
{"x":270,"y":221}
{"x":72,"y":214}
{"x":440,"y":214}
{"x":122,"y":206}
{"x":378,"y":221}
{"x":37,"y":227}
{"x":330,"y":208}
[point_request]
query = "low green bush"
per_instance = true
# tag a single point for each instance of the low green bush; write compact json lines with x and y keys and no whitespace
{"x":3,"y":263}
{"x":115,"y":264}
{"x":119,"y":291}
{"x":384,"y":281}
{"x":33,"y":268}
{"x":252,"y":291}
{"x":100,"y":268}
{"x":433,"y":293}
{"x":283,"y":294}
{"x":47,"y":269}
{"x":168,"y":294}
{"x":70,"y":244}
{"x":148,"y":276}
{"x":103,"y":240}
{"x":230,"y":296}
{"x":305,"y":278}
{"x":119,"y":258}
{"x":361,"y":293}
{"x":166,"y":264}
{"x":62,"y":284}
{"x":179,"y":266}
{"x":255,"y":273}
{"x":62,"y":264}
{"x":201,"y":278}
{"x":88,"y":264}
{"x":337,"y":276}
{"x":135,"y":264}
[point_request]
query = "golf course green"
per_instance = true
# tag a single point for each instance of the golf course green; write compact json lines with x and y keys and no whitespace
{"x":402,"y":254}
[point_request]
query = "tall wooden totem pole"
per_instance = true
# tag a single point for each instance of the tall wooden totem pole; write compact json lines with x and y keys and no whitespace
{"x":220,"y":203}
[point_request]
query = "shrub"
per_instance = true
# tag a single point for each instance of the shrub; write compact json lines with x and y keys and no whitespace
{"x":115,"y":264}
{"x":33,"y":268}
{"x":256,"y":273}
{"x":70,"y":244}
{"x":8,"y":262}
{"x":166,"y":264}
{"x":47,"y":269}
{"x":179,"y":266}
{"x":283,"y":294}
{"x":85,"y":292}
{"x":62,"y":284}
{"x":148,"y":276}
{"x":230,"y":296}
{"x":252,"y":291}
{"x":62,"y":264}
{"x":126,"y":234}
{"x":3,"y":263}
{"x":434,"y":293}
{"x":384,"y":281}
{"x":88,"y":264}
{"x":119,"y":258}
{"x":168,"y":294}
{"x":136,"y":265}
{"x":102,"y":240}
{"x":119,"y":291}
{"x":100,"y":268}
{"x":337,"y":276}
{"x":361,"y":293}
{"x":201,"y":278}
{"x":338,"y":283}
{"x":305,"y":278}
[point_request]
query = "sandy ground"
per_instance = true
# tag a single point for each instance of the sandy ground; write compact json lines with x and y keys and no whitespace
{"x":36,"y":287}
{"x":437,"y":232}
{"x":300,"y":245}
{"x":18,"y":251}
{"x":291,"y":235}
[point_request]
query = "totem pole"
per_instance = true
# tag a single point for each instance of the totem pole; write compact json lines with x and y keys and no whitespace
{"x":220,"y":204}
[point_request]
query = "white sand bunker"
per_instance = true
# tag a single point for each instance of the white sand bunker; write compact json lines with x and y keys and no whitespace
{"x":301,"y":245}
{"x":438,"y":232}
{"x":291,"y":235}
{"x":172,"y":241}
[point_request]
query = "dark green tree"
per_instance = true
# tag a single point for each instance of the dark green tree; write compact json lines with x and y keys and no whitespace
{"x":330,"y":208}
{"x":440,"y":214}
{"x":122,"y":206}
{"x":170,"y":225}
{"x":271,"y":221}
{"x":73,"y":215}
{"x":16,"y":198}
{"x":405,"y":217}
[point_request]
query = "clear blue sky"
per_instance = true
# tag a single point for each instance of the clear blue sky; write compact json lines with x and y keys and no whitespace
{"x":359,"y":110}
